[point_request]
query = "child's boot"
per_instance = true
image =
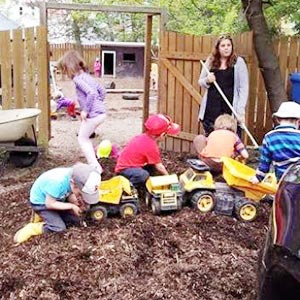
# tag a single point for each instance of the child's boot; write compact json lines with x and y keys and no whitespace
{"x":29,"y":230}
{"x":35,"y":218}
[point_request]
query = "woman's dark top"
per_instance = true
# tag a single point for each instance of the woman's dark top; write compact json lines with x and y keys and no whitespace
{"x":216,"y":106}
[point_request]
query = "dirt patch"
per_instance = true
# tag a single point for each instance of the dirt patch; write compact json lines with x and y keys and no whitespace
{"x":183,"y":255}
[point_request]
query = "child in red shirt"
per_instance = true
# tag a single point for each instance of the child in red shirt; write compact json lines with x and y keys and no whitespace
{"x":223,"y":141}
{"x":141,"y":156}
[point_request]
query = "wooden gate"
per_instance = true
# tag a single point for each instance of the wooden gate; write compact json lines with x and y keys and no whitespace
{"x":179,"y":70}
{"x":24,"y":74}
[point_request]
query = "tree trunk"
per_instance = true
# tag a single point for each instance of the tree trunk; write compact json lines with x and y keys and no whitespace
{"x":76,"y":33}
{"x":267,"y":59}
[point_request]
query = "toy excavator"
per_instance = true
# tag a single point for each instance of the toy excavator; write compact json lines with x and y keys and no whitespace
{"x":236,"y":196}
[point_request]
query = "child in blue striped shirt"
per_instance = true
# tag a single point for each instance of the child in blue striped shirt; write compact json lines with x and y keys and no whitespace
{"x":280,"y":146}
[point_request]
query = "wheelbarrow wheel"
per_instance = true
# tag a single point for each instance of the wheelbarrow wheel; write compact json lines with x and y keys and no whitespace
{"x":23,"y":159}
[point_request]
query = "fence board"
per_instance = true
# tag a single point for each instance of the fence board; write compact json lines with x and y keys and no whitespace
{"x":171,"y":88}
{"x":188,"y":99}
{"x":162,"y":78}
{"x":283,"y":61}
{"x":18,"y":67}
{"x":179,"y":92}
{"x":6,"y":70}
{"x":251,"y":115}
{"x":196,"y":73}
{"x":30,"y":64}
{"x":293,"y":54}
{"x":43,"y":84}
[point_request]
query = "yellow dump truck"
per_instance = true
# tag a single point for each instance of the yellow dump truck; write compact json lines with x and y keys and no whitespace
{"x":163,"y":193}
{"x":116,"y":195}
{"x":237,"y":195}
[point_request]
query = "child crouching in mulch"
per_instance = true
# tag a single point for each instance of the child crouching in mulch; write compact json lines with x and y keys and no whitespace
{"x":222,"y":142}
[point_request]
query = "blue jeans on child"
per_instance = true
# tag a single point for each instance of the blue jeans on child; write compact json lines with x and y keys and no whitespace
{"x":55,"y":220}
{"x":138,"y":176}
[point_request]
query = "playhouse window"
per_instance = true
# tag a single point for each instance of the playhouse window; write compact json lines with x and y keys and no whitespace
{"x":129,"y":57}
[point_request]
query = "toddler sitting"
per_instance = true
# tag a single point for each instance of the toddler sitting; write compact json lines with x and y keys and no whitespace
{"x":223,"y":141}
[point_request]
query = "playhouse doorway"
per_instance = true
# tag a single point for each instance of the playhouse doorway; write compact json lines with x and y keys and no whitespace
{"x":109,"y":63}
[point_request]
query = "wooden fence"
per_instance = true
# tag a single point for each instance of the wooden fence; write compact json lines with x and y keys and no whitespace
{"x":90,"y":52}
{"x":179,"y":69}
{"x":259,"y":114}
{"x":24,"y":57}
{"x":180,"y":94}
{"x":24,"y":74}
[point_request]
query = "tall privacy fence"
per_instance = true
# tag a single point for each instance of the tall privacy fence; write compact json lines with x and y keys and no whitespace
{"x":179,"y":70}
{"x":90,"y":52}
{"x":24,"y":74}
{"x":25,"y":54}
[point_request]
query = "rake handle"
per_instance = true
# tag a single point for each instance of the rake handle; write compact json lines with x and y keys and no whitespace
{"x":231,"y":107}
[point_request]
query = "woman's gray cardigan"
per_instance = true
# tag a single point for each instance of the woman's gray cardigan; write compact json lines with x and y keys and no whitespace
{"x":240,"y":89}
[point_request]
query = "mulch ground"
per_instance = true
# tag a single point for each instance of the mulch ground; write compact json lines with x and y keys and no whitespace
{"x":181,"y":255}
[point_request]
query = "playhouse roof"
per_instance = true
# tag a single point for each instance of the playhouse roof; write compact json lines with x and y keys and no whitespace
{"x":118,"y":44}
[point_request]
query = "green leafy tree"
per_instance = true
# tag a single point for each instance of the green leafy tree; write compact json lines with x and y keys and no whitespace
{"x":267,"y":59}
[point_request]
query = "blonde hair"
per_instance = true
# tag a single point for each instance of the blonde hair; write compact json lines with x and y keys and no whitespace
{"x":72,"y":63}
{"x":226,"y":121}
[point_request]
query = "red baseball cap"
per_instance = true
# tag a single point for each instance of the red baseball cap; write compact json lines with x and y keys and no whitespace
{"x":158,"y":124}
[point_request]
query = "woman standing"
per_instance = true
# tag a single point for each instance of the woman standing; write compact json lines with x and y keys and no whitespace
{"x":231,"y":73}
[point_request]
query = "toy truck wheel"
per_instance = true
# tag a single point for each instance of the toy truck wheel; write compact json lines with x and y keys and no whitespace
{"x":203,"y":201}
{"x":180,"y":203}
{"x":155,"y":207}
{"x":98,"y":213}
{"x":148,"y":199}
{"x":247,"y":211}
{"x":128,"y":210}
